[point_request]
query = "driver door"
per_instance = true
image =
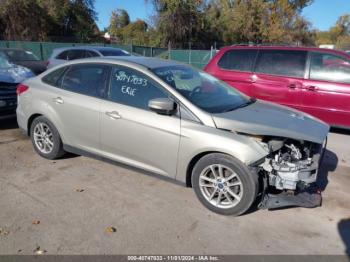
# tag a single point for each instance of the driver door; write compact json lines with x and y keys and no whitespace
{"x":130,"y":132}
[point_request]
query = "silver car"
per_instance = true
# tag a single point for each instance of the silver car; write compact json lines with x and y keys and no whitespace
{"x":179,"y":122}
{"x":65,"y":54}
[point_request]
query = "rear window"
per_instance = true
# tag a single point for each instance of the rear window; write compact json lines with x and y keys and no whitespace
{"x":21,"y":55}
{"x":53,"y":77}
{"x":281,"y":62}
{"x":238,"y":60}
{"x":63,"y":55}
{"x":86,"y":79}
{"x":71,"y":54}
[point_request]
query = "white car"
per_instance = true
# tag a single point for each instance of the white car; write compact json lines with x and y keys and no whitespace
{"x":62,"y":55}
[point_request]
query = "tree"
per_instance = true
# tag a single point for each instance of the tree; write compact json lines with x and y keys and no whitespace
{"x":273,"y":21}
{"x":119,"y":19}
{"x":338,"y":35}
{"x":179,"y":22}
{"x":23,"y":20}
{"x":48,"y":19}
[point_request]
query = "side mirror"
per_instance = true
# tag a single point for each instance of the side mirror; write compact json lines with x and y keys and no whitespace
{"x":162,"y":106}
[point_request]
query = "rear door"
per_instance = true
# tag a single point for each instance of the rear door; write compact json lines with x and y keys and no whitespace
{"x":235,"y":68}
{"x":326,"y":92}
{"x":278,"y":76}
{"x":77,"y":104}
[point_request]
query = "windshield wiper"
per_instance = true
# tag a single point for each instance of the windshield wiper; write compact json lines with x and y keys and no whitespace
{"x":249,"y":102}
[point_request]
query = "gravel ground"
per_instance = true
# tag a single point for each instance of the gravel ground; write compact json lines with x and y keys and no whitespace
{"x":77,"y":199}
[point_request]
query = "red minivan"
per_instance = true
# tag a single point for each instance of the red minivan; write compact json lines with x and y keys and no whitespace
{"x":313,"y":80}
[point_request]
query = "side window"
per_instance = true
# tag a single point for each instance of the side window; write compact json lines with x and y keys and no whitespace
{"x":53,"y":77}
{"x":132,"y":88}
{"x":63,"y":55}
{"x":76,"y":54}
{"x":89,"y":53}
{"x":239,"y":60}
{"x":281,"y":62}
{"x":86,"y":79}
{"x":329,"y":67}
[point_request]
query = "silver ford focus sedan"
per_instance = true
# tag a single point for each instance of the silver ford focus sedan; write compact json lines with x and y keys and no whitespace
{"x":170,"y":119}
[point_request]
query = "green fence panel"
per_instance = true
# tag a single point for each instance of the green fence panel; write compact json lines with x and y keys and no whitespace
{"x":197,"y":58}
{"x":3,"y":44}
{"x":142,"y":50}
{"x":127,"y":48}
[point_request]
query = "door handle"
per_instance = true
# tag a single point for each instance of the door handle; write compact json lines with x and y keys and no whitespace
{"x":292,"y":86}
{"x":253,"y":78}
{"x":113,"y":115}
{"x":58,"y":100}
{"x":311,"y":88}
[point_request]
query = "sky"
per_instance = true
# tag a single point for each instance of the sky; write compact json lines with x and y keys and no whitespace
{"x":322,"y":13}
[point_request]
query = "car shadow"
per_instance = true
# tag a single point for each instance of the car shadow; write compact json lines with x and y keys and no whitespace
{"x":344,"y":232}
{"x":341,"y":131}
{"x":10,"y":123}
{"x":329,"y":164}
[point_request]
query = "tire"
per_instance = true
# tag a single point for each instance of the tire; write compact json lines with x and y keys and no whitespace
{"x":236,"y":183}
{"x":47,"y":144}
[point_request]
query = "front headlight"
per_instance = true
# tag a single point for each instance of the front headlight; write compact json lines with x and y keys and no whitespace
{"x":258,"y":139}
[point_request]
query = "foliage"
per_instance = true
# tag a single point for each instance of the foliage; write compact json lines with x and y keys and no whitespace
{"x":231,"y":21}
{"x":338,"y":35}
{"x":47,"y":19}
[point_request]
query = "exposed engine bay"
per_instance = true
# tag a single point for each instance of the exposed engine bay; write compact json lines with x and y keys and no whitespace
{"x":291,"y":167}
{"x":292,"y":164}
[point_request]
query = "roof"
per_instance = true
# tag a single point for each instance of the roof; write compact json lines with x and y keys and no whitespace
{"x":148,"y":62}
{"x":89,"y":47}
{"x":285,"y":47}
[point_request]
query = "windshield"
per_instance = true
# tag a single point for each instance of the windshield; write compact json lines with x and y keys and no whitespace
{"x":21,"y":55}
{"x":203,"y":90}
{"x":4,"y":63}
{"x":116,"y":52}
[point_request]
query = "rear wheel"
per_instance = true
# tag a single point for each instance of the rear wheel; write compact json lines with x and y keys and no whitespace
{"x":224,"y":185}
{"x":46,"y":139}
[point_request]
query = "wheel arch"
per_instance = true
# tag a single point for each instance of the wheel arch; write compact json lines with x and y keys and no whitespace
{"x":193,"y":162}
{"x":30,"y":121}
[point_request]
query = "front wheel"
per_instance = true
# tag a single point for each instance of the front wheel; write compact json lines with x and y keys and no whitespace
{"x":46,"y":139}
{"x":224,"y":185}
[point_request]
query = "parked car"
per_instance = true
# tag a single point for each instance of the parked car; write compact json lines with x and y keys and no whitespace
{"x":62,"y":55}
{"x":24,"y":58}
{"x":10,"y":76}
{"x":313,"y":80}
{"x":170,"y":119}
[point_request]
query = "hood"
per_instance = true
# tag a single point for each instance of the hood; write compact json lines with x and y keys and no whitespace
{"x":263,"y":118}
{"x":15,"y":74}
{"x":37,"y":67}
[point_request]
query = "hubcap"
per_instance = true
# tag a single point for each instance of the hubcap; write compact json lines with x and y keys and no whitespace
{"x":43,"y":138}
{"x":221,"y":186}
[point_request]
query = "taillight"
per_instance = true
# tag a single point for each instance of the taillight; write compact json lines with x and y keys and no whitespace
{"x":21,"y":89}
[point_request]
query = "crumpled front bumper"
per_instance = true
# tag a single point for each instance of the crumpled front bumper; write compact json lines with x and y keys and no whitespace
{"x":308,"y":197}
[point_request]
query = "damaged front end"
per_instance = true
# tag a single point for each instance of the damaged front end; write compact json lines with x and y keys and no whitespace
{"x":289,"y":172}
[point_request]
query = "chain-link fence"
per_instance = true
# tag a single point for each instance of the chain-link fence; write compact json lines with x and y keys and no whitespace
{"x":43,"y":50}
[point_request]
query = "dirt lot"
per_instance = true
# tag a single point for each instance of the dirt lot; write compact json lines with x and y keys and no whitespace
{"x":77,"y":198}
